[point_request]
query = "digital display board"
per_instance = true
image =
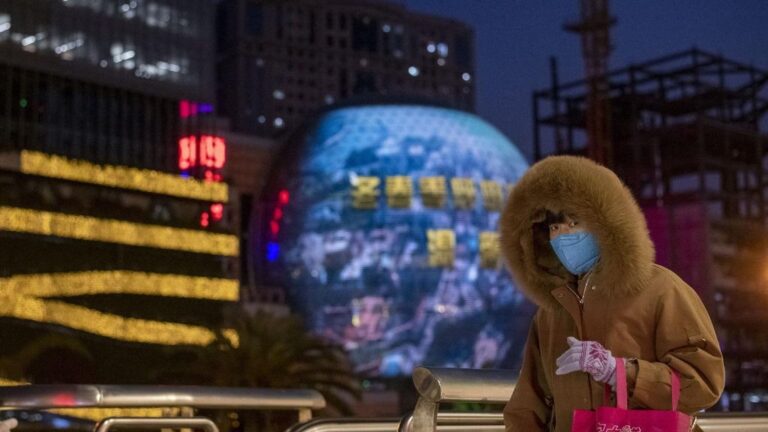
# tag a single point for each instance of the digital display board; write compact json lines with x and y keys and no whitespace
{"x":389,"y":241}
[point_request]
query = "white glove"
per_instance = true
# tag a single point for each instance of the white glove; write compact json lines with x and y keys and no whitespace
{"x":589,"y":357}
{"x":7,"y":425}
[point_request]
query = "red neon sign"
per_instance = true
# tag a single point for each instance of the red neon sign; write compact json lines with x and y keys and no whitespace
{"x":217,"y":211}
{"x":208,"y":151}
{"x":283,"y":197}
{"x":213,"y":152}
{"x":187,"y":152}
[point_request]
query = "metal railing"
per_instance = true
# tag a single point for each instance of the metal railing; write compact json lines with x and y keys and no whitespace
{"x":197,"y":423}
{"x":40,"y":397}
{"x":436,"y":386}
{"x":447,"y":422}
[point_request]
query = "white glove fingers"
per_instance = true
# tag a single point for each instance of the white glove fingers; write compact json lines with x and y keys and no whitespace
{"x":567,"y":368}
{"x":569,"y":355}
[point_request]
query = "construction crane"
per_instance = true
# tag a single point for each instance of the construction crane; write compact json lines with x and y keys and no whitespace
{"x":594,"y":29}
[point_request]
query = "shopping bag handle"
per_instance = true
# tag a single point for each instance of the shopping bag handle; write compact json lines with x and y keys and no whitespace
{"x":621,"y":386}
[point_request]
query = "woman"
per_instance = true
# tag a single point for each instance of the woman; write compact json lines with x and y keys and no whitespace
{"x":577,"y":244}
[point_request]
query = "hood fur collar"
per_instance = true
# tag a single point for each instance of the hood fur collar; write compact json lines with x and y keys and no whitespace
{"x":598,"y":200}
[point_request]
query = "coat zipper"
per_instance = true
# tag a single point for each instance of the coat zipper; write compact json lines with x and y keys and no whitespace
{"x":580,"y":299}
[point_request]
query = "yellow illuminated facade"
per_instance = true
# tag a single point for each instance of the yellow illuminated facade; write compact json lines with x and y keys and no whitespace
{"x":120,"y":282}
{"x":433,"y":191}
{"x":441,"y":245}
{"x":365,"y":193}
{"x":492,"y":195}
{"x":399,"y":191}
{"x":463,"y":192}
{"x":114,"y":231}
{"x":46,"y":165}
{"x":104,"y":324}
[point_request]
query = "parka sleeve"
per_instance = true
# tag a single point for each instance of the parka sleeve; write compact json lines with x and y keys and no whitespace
{"x":529,"y":408}
{"x":686,"y":342}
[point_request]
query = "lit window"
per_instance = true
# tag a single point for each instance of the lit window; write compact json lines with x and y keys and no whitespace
{"x":386,"y":28}
{"x":5,"y":24}
{"x":442,"y":49}
{"x":278,"y":94}
{"x":431,"y":48}
{"x":279,"y":122}
{"x":129,"y":9}
{"x":466,"y":77}
{"x":76,"y":42}
{"x":413,"y":71}
{"x":441,"y":62}
{"x":329,"y":99}
{"x":29,"y":40}
{"x":262,"y":119}
{"x":158,"y":15}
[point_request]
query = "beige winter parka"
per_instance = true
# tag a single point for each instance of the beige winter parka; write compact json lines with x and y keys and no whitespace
{"x":635,"y":308}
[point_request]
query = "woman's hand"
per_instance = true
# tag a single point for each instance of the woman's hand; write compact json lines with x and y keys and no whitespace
{"x":589,"y":357}
{"x":7,"y":425}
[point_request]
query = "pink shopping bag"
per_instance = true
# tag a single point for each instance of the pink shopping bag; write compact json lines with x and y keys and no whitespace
{"x":621,"y":419}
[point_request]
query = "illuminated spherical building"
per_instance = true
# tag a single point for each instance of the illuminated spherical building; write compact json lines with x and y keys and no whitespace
{"x":386,"y":235}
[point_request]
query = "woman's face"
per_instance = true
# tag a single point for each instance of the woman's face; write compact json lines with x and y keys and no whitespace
{"x":567,"y":226}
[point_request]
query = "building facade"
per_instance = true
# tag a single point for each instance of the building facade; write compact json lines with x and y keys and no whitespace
{"x":105,"y":80}
{"x":99,"y":263}
{"x":281,"y":61}
{"x":118,"y":237}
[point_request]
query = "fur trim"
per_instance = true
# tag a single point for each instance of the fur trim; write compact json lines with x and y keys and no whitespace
{"x":597,"y":199}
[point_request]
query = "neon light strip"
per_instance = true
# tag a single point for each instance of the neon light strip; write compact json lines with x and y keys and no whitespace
{"x":114,"y":231}
{"x":121,"y":282}
{"x":45,"y":165}
{"x":107,"y":325}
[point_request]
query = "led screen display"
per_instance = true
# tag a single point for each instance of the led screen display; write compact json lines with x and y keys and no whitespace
{"x":389,"y":241}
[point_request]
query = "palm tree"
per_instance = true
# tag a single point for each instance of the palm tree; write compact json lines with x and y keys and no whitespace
{"x":277,"y":352}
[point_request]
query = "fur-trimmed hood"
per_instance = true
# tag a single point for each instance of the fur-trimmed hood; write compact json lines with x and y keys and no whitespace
{"x":598,"y":200}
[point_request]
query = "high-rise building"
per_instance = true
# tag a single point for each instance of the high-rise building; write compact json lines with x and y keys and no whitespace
{"x":280,"y":61}
{"x":107,"y":251}
{"x":109,"y":81}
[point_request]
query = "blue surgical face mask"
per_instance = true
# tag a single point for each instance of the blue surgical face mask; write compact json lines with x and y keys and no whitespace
{"x":578,"y":252}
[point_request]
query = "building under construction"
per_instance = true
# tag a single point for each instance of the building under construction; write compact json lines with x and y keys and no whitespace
{"x":686,"y":134}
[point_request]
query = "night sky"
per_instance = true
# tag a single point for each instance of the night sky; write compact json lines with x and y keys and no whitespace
{"x":515,"y":38}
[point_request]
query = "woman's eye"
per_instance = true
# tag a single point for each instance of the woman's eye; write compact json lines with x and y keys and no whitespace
{"x":573,"y":224}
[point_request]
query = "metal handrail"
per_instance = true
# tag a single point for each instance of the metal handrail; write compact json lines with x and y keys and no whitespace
{"x":733,"y":422}
{"x":150,"y":422}
{"x":347,"y":425}
{"x":383,"y":425}
{"x":437,"y":385}
{"x":464,"y":385}
{"x":127,"y":396}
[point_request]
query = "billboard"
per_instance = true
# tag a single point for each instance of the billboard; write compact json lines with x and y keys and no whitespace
{"x":386,"y":235}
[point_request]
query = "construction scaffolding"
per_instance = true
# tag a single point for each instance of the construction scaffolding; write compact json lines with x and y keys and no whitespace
{"x":685,"y":126}
{"x":687,"y":138}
